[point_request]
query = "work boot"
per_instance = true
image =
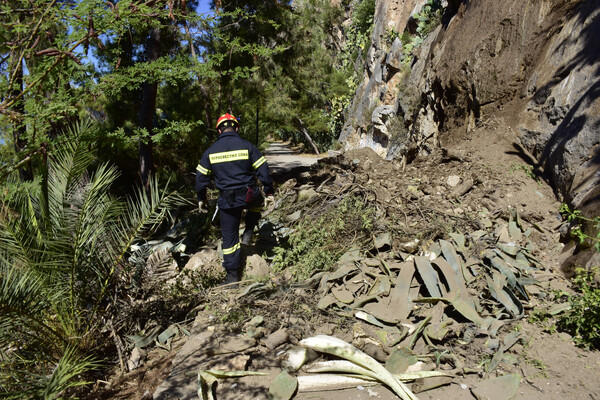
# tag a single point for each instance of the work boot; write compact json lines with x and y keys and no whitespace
{"x":232,"y":277}
{"x":247,"y":236}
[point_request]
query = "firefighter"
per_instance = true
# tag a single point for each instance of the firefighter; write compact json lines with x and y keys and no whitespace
{"x":234,"y":163}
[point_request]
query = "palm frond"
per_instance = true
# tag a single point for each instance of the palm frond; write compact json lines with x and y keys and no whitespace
{"x":66,"y":373}
{"x":62,"y":248}
{"x":24,"y":311}
{"x":146,"y":210}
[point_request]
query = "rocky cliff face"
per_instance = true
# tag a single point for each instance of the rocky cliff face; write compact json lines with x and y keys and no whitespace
{"x":532,"y":64}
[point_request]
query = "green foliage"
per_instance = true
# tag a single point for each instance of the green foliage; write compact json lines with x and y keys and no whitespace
{"x":61,"y":261}
{"x":405,"y":38}
{"x":583,"y":320}
{"x":48,"y":79}
{"x":578,"y":231}
{"x":527,"y":170}
{"x":428,"y":19}
{"x":363,"y":16}
{"x":298,"y":89}
{"x":357,"y":41}
{"x":316,"y":244}
{"x":248,"y":56}
{"x":391,"y":35}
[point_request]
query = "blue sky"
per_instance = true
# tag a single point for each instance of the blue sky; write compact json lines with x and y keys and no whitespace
{"x":203,"y":6}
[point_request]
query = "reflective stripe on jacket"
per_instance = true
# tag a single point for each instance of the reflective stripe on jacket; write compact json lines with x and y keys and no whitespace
{"x":234,"y":163}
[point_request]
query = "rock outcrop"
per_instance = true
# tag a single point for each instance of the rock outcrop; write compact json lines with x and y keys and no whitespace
{"x":531,"y":64}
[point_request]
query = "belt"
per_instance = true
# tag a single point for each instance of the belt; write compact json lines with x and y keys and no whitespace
{"x":234,"y":192}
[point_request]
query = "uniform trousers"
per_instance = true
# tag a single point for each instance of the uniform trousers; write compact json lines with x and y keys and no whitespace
{"x":230,"y":227}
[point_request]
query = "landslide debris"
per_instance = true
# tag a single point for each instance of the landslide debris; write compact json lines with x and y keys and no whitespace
{"x":431,"y":267}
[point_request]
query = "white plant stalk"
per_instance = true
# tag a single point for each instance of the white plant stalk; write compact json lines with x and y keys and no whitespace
{"x":322,"y":382}
{"x":349,"y":367}
{"x":337,"y":347}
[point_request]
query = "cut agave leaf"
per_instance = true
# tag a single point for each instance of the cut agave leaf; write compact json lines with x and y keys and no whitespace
{"x":508,"y":249}
{"x":399,"y":360}
{"x":454,"y":260}
{"x":505,"y":297}
{"x":503,"y":268}
{"x":294,"y":358}
{"x":337,"y":347}
{"x":324,"y":382}
{"x":381,"y":286}
{"x":429,"y":276}
{"x":459,"y":239}
{"x":514,"y":231}
{"x":326,"y":301}
{"x":146,"y":340}
{"x":456,"y":282}
{"x":348,"y":368}
{"x":368,"y":318}
{"x":464,"y":308}
{"x":283,"y":387}
{"x":342,"y":295}
{"x":399,"y":295}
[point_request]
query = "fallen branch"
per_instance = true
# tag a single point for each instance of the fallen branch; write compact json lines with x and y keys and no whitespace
{"x":306,"y":135}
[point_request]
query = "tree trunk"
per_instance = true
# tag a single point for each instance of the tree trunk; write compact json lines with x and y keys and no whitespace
{"x":148,"y":109}
{"x":19,"y":127}
{"x":207,"y":112}
{"x":307,"y":136}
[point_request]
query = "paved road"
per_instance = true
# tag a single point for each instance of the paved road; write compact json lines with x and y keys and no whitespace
{"x":283,"y":160}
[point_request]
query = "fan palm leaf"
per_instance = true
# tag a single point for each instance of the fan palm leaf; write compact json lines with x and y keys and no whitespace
{"x":63,"y":247}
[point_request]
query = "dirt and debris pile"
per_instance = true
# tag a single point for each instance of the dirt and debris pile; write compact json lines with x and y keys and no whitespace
{"x":430,"y":270}
{"x":426,"y":272}
{"x":449,"y":263}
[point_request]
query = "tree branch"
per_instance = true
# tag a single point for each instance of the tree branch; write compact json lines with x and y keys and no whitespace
{"x":33,"y":33}
{"x":59,"y":58}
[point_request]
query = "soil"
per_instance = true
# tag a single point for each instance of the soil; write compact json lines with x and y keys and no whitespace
{"x":550,"y":365}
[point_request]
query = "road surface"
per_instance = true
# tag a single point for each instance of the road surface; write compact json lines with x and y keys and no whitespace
{"x":284,"y":161}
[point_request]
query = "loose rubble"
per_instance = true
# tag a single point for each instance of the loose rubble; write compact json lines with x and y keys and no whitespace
{"x":432,"y":294}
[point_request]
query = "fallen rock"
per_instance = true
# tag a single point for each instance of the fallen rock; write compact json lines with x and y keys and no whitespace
{"x":257,"y":266}
{"x":203,"y":267}
{"x":306,"y":194}
{"x":276,"y":339}
{"x":136,"y":359}
{"x":453,"y":181}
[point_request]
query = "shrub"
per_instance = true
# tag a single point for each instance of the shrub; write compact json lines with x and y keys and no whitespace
{"x":363,"y":15}
{"x":318,"y":242}
{"x":583,"y":320}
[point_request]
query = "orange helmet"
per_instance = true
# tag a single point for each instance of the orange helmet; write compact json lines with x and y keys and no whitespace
{"x":227,"y":120}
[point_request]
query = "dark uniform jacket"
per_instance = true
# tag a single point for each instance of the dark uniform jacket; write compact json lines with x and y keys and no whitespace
{"x":234,"y":163}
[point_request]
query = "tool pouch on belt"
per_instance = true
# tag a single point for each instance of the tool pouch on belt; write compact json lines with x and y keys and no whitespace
{"x":251,"y":195}
{"x":254,"y":197}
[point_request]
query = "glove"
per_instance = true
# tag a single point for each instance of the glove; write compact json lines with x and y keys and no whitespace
{"x":202,"y":207}
{"x":269,"y":202}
